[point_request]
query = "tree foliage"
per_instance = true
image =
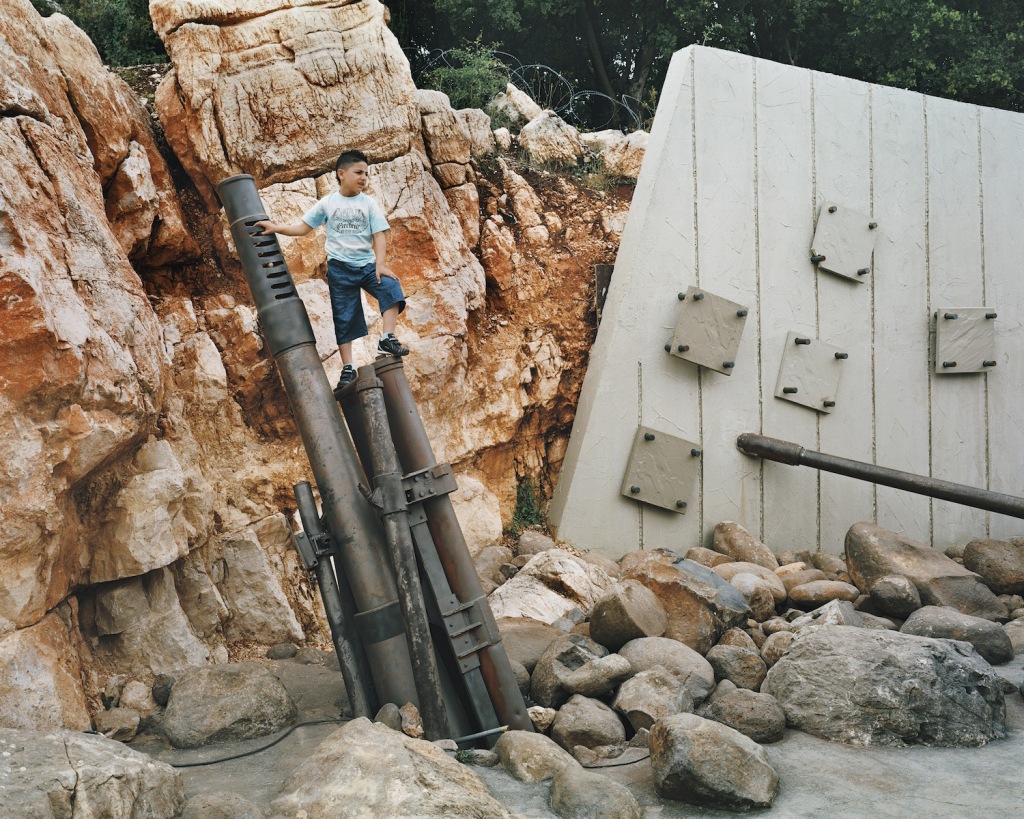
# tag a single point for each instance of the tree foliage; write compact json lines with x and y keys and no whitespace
{"x":121,"y":30}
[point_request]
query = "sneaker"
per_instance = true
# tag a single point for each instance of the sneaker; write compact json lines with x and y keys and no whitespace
{"x":348,"y":375}
{"x":390,"y":345}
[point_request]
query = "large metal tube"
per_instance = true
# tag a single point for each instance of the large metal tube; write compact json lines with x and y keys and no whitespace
{"x":357,"y":531}
{"x":786,"y":452}
{"x":415,"y":453}
{"x":340,"y":613}
{"x":387,"y":480}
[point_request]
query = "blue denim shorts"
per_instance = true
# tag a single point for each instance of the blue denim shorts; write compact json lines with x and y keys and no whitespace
{"x":345,"y":281}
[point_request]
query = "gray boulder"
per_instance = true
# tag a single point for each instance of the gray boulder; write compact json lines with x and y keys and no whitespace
{"x":569,"y":662}
{"x":695,"y":673}
{"x":580,"y":794}
{"x":896,"y":596}
{"x":627,"y":612}
{"x":525,"y":640}
{"x":366,"y":769}
{"x":755,"y":715}
{"x":733,"y":540}
{"x":531,"y":757}
{"x":532,"y":542}
{"x":587,"y":722}
{"x":989,"y":639}
{"x":775,"y":646}
{"x":999,"y":562}
{"x":740,"y":666}
{"x":652,"y":695}
{"x":873,"y":553}
{"x":226,"y":702}
{"x":70,"y":774}
{"x":706,"y":763}
{"x":819,"y":592}
{"x":835,"y":613}
{"x":870,"y":687}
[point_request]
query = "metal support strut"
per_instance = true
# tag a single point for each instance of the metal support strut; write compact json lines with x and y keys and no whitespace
{"x":786,"y":452}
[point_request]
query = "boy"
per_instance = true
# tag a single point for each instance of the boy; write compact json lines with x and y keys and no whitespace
{"x":356,"y":252}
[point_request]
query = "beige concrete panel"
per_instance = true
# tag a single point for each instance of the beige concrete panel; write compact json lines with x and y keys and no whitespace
{"x":902,"y":358}
{"x":958,"y":438}
{"x":1002,"y":149}
{"x":727,"y":267}
{"x":785,"y":215}
{"x":842,"y":164}
{"x":629,"y":369}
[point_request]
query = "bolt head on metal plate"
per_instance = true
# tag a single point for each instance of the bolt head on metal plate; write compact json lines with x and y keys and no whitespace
{"x":708,"y":330}
{"x":965,"y":340}
{"x":810,"y":371}
{"x":662,"y":470}
{"x":844,"y":241}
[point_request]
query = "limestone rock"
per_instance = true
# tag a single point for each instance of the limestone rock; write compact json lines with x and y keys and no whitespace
{"x":541,"y":717}
{"x":41,"y":679}
{"x":873,"y":553}
{"x":549,"y":586}
{"x":531,"y":542}
{"x":531,"y":757}
{"x":445,"y":138}
{"x":479,"y":514}
{"x":700,"y":605}
{"x":741,"y":666}
{"x":588,"y":722}
{"x":366,"y":769}
{"x":869,"y":687}
{"x":222,"y":806}
{"x":580,"y":794}
{"x":818,"y":592}
{"x":488,"y":562}
{"x":896,"y":596}
{"x":120,"y":724}
{"x":477,"y":126}
{"x":706,"y":763}
{"x":629,"y":611}
{"x":730,"y":570}
{"x":526,"y":640}
{"x":626,"y":157}
{"x":66,"y":774}
{"x":227,"y":702}
{"x":231,"y":105}
{"x":603,"y":562}
{"x":550,"y":140}
{"x":755,"y":715}
{"x":833,"y":613}
{"x":999,"y":562}
{"x":652,"y":695}
{"x":989,"y":639}
{"x":680,"y":660}
{"x":503,"y":139}
{"x":733,"y":540}
{"x":516,"y":105}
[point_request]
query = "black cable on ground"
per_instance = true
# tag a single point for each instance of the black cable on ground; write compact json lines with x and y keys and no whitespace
{"x":334,"y":720}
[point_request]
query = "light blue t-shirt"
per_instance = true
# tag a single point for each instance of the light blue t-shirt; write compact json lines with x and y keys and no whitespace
{"x":351,"y":223}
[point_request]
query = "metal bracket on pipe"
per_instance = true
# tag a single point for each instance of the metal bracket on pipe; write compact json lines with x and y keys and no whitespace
{"x":307,"y":551}
{"x":429,"y":483}
{"x":381,"y":623}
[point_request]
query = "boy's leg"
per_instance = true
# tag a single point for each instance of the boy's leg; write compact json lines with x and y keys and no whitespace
{"x":389,"y":318}
{"x":391,"y":301}
{"x":349,"y":323}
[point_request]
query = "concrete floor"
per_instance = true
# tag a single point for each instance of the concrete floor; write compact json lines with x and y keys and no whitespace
{"x":817,"y":778}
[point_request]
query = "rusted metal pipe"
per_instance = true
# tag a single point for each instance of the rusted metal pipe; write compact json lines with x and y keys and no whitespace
{"x":416,"y":454}
{"x":387,"y":483}
{"x":786,"y":452}
{"x":353,"y":522}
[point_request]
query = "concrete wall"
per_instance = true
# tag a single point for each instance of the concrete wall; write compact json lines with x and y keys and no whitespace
{"x":742,"y":154}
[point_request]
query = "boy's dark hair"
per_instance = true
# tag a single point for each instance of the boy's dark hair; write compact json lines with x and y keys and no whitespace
{"x":350,"y":158}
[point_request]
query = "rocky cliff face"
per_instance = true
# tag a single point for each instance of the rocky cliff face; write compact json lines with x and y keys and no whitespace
{"x":149,"y":449}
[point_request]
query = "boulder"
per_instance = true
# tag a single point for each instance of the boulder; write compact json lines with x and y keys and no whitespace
{"x":629,"y":611}
{"x":69,"y":774}
{"x":989,"y":639}
{"x":733,"y":540}
{"x":818,"y":592}
{"x":741,"y":666}
{"x":580,"y":794}
{"x":706,"y":763}
{"x":516,"y":105}
{"x":651,"y":695}
{"x":869,"y":687}
{"x":547,"y":587}
{"x":603,"y":562}
{"x":700,"y":605}
{"x":121,"y":724}
{"x":755,"y":715}
{"x":541,"y":717}
{"x":775,"y":646}
{"x":479,"y":514}
{"x":738,"y":637}
{"x":873,"y":553}
{"x":830,"y":564}
{"x":226,"y":702}
{"x":730,"y":570}
{"x":625,"y":157}
{"x":477,"y":126}
{"x":896,"y":596}
{"x":575,"y":664}
{"x":526,"y":640}
{"x":680,"y":660}
{"x":587,"y":722}
{"x":758,"y":593}
{"x":488,"y":562}
{"x":532,"y":542}
{"x":707,"y":557}
{"x":550,"y":140}
{"x":531,"y":757}
{"x":835,"y":613}
{"x":799,"y":577}
{"x":1015,"y":631}
{"x":999,"y":562}
{"x":366,"y":769}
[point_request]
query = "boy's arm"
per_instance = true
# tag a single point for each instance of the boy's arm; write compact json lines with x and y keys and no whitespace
{"x":380,"y":253}
{"x":296,"y":228}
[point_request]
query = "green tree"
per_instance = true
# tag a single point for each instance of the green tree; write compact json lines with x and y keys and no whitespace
{"x":121,"y":30}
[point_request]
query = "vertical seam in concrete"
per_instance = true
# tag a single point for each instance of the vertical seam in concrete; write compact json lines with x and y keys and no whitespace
{"x":814,"y":201}
{"x":639,"y":422}
{"x":928,"y":286}
{"x":757,"y":308}
{"x":984,"y":302}
{"x":871,"y":205}
{"x":696,"y":273}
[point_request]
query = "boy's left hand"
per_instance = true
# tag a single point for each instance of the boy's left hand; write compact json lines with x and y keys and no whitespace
{"x":385,"y":271}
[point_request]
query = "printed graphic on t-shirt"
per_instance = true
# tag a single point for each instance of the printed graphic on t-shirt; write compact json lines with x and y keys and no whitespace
{"x":348,"y":221}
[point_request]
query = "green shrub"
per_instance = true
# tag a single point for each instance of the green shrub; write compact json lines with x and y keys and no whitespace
{"x":121,"y":30}
{"x":528,"y":512}
{"x":471,"y":75}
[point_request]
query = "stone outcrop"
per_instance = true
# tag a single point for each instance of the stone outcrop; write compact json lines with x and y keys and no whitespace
{"x":551,"y":584}
{"x":871,"y":687}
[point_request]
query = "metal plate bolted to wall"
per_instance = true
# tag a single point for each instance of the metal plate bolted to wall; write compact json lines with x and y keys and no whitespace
{"x":965,"y":340}
{"x":708,"y":330}
{"x":662,"y":469}
{"x":809,"y":373}
{"x":844,"y":242}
